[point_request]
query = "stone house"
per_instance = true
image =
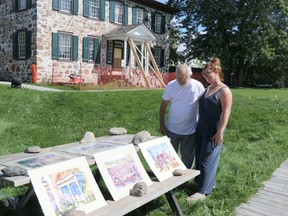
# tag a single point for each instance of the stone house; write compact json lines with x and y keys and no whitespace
{"x":72,"y":40}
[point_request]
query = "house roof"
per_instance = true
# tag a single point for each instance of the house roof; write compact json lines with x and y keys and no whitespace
{"x":137,"y":32}
{"x":157,"y":5}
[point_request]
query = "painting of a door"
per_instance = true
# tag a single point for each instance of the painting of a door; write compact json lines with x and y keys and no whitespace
{"x":118,"y":55}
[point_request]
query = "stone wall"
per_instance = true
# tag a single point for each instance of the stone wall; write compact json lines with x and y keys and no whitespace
{"x":42,"y":21}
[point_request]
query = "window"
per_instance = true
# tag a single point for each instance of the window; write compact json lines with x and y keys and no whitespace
{"x":64,"y":46}
{"x":69,"y":6}
{"x":65,"y":5}
{"x":139,"y":16}
{"x":94,"y":9}
{"x":109,"y":52}
{"x":118,"y":12}
{"x":22,"y":45}
{"x":158,"y":23}
{"x":158,"y":54}
{"x":19,"y":5}
{"x":91,"y":49}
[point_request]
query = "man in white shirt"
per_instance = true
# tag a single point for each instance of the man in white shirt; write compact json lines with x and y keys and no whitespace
{"x":182,"y":93}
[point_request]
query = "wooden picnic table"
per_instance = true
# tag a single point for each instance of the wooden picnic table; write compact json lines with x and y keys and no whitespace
{"x":119,"y":207}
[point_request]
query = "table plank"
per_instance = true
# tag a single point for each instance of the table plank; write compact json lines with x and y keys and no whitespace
{"x":157,"y":189}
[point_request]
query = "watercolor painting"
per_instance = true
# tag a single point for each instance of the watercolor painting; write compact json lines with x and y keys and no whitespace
{"x":66,"y":185}
{"x":121,"y":169}
{"x":38,"y":160}
{"x":161,"y":157}
{"x":92,"y":148}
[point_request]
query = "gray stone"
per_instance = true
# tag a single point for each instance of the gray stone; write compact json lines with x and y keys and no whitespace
{"x":117,"y":131}
{"x":74,"y":212}
{"x":139,"y":189}
{"x":33,"y":149}
{"x":178,"y":172}
{"x":140,"y":137}
{"x":14,"y":171}
{"x":88,"y":137}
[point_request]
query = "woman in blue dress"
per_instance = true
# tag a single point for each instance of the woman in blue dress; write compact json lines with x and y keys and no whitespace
{"x":214,"y":111}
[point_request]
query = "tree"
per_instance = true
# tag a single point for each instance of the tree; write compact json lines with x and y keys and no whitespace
{"x":244,"y":34}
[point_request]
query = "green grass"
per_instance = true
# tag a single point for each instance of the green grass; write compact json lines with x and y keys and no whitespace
{"x":255,"y":140}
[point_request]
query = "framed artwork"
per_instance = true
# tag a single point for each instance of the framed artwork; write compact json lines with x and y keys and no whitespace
{"x":38,"y":160}
{"x":121,"y":169}
{"x":66,"y":185}
{"x":92,"y":148}
{"x":161,"y":157}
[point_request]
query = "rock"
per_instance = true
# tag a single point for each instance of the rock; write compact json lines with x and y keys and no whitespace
{"x":14,"y":171}
{"x":33,"y":149}
{"x":139,"y":189}
{"x":88,"y":137}
{"x":117,"y":131}
{"x":178,"y":172}
{"x":140,"y":137}
{"x":74,"y":212}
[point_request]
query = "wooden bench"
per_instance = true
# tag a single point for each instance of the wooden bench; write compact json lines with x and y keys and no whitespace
{"x":157,"y":189}
{"x":113,"y":208}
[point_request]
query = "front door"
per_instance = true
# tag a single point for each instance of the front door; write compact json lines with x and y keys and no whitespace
{"x":118,"y":56}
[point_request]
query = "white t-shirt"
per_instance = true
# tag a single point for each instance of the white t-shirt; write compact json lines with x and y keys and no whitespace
{"x":183,"y":113}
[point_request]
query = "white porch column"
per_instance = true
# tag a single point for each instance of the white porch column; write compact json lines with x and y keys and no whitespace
{"x":125,"y":57}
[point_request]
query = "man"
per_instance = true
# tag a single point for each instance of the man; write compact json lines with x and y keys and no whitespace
{"x":182,"y":93}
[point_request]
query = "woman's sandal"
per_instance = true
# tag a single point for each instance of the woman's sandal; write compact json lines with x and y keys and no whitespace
{"x":196,"y":197}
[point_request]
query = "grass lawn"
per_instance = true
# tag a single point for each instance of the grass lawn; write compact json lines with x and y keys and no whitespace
{"x":255,"y":140}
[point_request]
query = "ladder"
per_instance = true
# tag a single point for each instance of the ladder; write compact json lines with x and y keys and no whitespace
{"x":155,"y":69}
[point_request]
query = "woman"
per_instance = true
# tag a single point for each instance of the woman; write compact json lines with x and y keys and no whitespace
{"x":214,"y":111}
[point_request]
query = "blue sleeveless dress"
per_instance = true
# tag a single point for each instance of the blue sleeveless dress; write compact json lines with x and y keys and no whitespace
{"x":207,"y":153}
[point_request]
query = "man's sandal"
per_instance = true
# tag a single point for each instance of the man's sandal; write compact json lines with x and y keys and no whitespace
{"x":196,"y":197}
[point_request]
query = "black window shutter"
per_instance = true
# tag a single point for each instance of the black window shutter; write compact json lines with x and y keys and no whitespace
{"x":55,"y":46}
{"x":153,"y":22}
{"x":163,"y":23}
{"x":55,"y":5}
{"x":125,"y":14}
{"x":102,"y":13}
{"x":162,"y":58}
{"x":28,"y":44}
{"x":28,"y":3}
{"x":15,"y":45}
{"x":111,"y":11}
{"x":75,"y":7}
{"x":86,"y":8}
{"x":75,"y":48}
{"x":134,"y":13}
{"x":146,"y":18}
{"x":96,"y":51}
{"x":85,"y":54}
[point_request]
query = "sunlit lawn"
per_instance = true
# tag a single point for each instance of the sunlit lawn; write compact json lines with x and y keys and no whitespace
{"x":255,"y":141}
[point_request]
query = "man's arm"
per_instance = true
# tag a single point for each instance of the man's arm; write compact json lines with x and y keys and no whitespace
{"x":163,"y":107}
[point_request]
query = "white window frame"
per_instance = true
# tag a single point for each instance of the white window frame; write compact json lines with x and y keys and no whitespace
{"x":21,"y":4}
{"x":157,"y":55}
{"x":94,"y":6}
{"x":119,"y":13}
{"x":65,"y":5}
{"x":65,"y":46}
{"x":158,"y":18}
{"x":91,"y":49}
{"x":22,"y":45}
{"x":139,"y":16}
